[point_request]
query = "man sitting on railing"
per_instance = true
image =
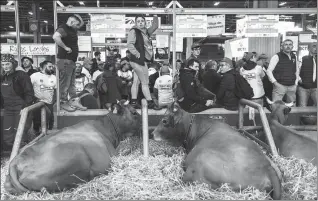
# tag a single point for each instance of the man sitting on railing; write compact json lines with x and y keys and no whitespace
{"x":16,"y":93}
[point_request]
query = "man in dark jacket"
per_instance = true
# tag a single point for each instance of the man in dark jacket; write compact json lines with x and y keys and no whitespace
{"x":211,"y":79}
{"x":196,"y":51}
{"x":308,"y":77}
{"x":16,"y":93}
{"x":27,"y":63}
{"x":226,"y":94}
{"x":195,"y":100}
{"x":87,"y":98}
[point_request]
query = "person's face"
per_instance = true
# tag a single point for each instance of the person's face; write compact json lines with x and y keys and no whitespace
{"x":26,"y":63}
{"x":214,"y":66}
{"x":6,"y":66}
{"x":140,"y":22}
{"x":78,"y":70}
{"x":89,"y":65}
{"x":224,"y":67}
{"x":101,"y":66}
{"x":128,"y":54}
{"x":98,"y":56}
{"x":196,"y":51}
{"x":117,"y":66}
{"x":75,"y":24}
{"x":178,"y":65}
{"x":195,"y":66}
{"x":313,"y":49}
{"x":49,"y":69}
{"x":287,"y":46}
{"x":126,"y":66}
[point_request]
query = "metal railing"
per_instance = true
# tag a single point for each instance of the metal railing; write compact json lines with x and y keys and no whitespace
{"x":23,"y":119}
{"x":145,"y":132}
{"x":263,"y":117}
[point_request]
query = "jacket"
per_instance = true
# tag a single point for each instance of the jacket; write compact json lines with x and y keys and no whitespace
{"x":225,"y":95}
{"x":211,"y":80}
{"x":306,"y":72}
{"x":114,"y":87}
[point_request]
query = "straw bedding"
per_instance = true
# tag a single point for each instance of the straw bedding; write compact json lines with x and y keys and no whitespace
{"x":133,"y":176}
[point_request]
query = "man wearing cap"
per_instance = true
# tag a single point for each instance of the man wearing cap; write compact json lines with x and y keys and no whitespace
{"x":66,"y":38}
{"x":16,"y":94}
{"x":283,"y":72}
{"x":196,"y":51}
{"x":27,"y":63}
{"x":163,"y":88}
{"x":226,"y":92}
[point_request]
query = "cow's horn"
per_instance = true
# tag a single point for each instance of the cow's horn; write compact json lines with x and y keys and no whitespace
{"x":289,"y":104}
{"x":117,"y":101}
{"x":127,"y":102}
{"x":269,"y":101}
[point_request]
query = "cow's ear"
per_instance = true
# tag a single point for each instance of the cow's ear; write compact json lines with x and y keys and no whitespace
{"x":119,"y":109}
{"x":287,"y":110}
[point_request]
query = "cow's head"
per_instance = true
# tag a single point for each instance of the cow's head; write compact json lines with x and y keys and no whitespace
{"x":279,"y":110}
{"x":172,"y":126}
{"x":128,"y":119}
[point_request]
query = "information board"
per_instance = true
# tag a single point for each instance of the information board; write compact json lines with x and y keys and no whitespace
{"x":29,"y":49}
{"x":191,"y":25}
{"x":108,"y":26}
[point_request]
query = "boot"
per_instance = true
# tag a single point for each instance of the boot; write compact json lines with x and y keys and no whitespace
{"x":75,"y":103}
{"x":135,"y":104}
{"x":67,"y":107}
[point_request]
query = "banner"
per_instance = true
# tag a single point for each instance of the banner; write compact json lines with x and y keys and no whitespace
{"x":130,"y":22}
{"x":216,"y":25}
{"x":238,"y":47}
{"x":29,"y":49}
{"x":191,"y":25}
{"x":108,"y":26}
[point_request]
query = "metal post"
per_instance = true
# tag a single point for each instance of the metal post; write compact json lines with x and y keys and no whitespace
{"x":145,"y":134}
{"x":241,"y":116}
{"x":43,"y":120}
{"x":174,"y":38}
{"x":56,"y":68}
{"x":17,"y":28}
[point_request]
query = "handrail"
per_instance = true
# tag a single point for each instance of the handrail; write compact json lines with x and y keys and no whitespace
{"x":145,"y":134}
{"x":23,"y":119}
{"x":262,"y":114}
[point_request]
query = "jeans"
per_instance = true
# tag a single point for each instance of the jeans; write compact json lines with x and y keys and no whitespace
{"x":140,"y":76}
{"x":304,"y":94}
{"x":281,"y":90}
{"x":49,"y":117}
{"x":67,"y":79}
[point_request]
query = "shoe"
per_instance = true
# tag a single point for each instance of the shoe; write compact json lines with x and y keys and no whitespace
{"x":135,"y":105}
{"x":151,"y":104}
{"x":75,"y":103}
{"x":67,"y":107}
{"x":157,"y":107}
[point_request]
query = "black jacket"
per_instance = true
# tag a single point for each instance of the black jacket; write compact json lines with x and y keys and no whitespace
{"x":211,"y":80}
{"x":89,"y":100}
{"x":226,"y":96}
{"x":190,"y":87}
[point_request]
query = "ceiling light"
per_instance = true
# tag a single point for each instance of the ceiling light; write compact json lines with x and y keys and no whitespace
{"x":81,"y":3}
{"x":11,"y":27}
{"x":40,"y":8}
{"x":282,"y":3}
{"x":216,"y":3}
{"x":150,"y":3}
{"x":30,"y":13}
{"x":312,"y":14}
{"x":45,"y":21}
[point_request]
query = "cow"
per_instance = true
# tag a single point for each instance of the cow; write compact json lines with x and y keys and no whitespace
{"x":216,"y":153}
{"x":288,"y":142}
{"x":73,"y":155}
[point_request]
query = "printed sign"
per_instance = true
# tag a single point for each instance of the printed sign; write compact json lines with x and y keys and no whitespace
{"x":258,"y":26}
{"x":29,"y":49}
{"x":106,"y":25}
{"x":130,"y":22}
{"x":216,"y":25}
{"x":238,"y":47}
{"x":192,"y":25}
{"x":303,"y":51}
{"x":84,"y":43}
{"x":162,"y":41}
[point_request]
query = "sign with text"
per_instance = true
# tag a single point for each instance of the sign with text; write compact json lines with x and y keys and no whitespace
{"x":130,"y":22}
{"x":258,"y":26}
{"x":303,"y":51}
{"x":162,"y":41}
{"x":84,"y":43}
{"x":238,"y":47}
{"x":216,"y":25}
{"x":191,"y":25}
{"x":107,"y":25}
{"x":29,"y":49}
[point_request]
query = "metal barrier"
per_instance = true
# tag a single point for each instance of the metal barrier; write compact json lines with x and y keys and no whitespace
{"x":145,"y":134}
{"x":262,"y":114}
{"x":23,"y":119}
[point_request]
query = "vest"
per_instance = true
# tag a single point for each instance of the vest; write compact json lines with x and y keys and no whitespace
{"x":70,"y":40}
{"x":285,"y":69}
{"x":140,"y":46}
{"x":306,"y":73}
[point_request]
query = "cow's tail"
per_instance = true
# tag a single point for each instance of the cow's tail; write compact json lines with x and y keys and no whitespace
{"x":13,"y":180}
{"x":277,"y":187}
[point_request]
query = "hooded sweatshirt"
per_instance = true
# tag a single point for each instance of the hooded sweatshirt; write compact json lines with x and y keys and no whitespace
{"x":254,"y":74}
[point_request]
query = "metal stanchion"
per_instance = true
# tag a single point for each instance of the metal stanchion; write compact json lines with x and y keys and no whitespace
{"x":145,"y":134}
{"x":43,"y":120}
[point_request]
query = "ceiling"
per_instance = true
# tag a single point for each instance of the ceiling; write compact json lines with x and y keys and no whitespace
{"x":46,"y":12}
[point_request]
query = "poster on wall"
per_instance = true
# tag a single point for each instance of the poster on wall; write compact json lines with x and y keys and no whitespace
{"x":216,"y":25}
{"x":295,"y":41}
{"x":84,"y":43}
{"x":29,"y":49}
{"x":130,"y":22}
{"x":191,"y":25}
{"x":238,"y":47}
{"x":107,"y":25}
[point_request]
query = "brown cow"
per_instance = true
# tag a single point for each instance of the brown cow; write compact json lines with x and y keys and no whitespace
{"x":288,"y":142}
{"x":216,"y":153}
{"x":73,"y":155}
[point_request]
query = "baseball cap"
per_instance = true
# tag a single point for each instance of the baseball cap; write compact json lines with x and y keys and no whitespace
{"x":249,"y":55}
{"x":195,"y":45}
{"x":228,"y":61}
{"x":97,"y":53}
{"x":31,"y":60}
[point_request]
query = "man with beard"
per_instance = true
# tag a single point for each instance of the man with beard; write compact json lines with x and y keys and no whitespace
{"x":27,"y":65}
{"x":44,"y":85}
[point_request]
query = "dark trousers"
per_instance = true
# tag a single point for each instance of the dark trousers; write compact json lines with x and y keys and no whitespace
{"x":49,"y":117}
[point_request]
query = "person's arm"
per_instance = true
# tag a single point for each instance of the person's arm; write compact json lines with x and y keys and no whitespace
{"x":271,"y":66}
{"x":57,"y":37}
{"x":154,"y":26}
{"x":190,"y":92}
{"x":131,"y":40}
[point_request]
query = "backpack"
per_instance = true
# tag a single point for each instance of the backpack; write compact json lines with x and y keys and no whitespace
{"x":242,"y":88}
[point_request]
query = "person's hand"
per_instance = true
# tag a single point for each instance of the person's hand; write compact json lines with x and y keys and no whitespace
{"x":68,"y":50}
{"x":209,"y":103}
{"x":276,"y":84}
{"x":138,"y":55}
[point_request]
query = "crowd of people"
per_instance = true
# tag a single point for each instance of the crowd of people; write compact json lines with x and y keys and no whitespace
{"x":196,"y":84}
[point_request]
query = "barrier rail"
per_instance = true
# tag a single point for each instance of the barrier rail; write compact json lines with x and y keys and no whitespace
{"x":145,"y":134}
{"x":23,"y":119}
{"x":263,"y":117}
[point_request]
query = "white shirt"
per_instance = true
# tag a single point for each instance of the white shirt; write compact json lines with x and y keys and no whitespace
{"x":80,"y":83}
{"x":88,"y":75}
{"x":164,"y":86}
{"x":44,"y":86}
{"x":254,"y":78}
{"x":126,"y":75}
{"x":96,"y":74}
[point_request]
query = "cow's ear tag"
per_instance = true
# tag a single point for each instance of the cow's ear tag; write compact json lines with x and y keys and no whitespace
{"x":115,"y":110}
{"x":175,"y":109}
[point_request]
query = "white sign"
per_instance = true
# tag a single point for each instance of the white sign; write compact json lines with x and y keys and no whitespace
{"x":216,"y":25}
{"x":191,"y":25}
{"x":295,"y":41}
{"x":162,"y":41}
{"x":29,"y":49}
{"x":84,"y":43}
{"x":258,"y":26}
{"x":179,"y":44}
{"x":306,"y":38}
{"x":106,"y":25}
{"x":130,"y":22}
{"x":238,"y":47}
{"x":303,"y":51}
{"x":240,"y":27}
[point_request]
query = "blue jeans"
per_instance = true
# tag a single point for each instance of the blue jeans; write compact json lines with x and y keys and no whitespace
{"x":67,"y":78}
{"x":304,"y":94}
